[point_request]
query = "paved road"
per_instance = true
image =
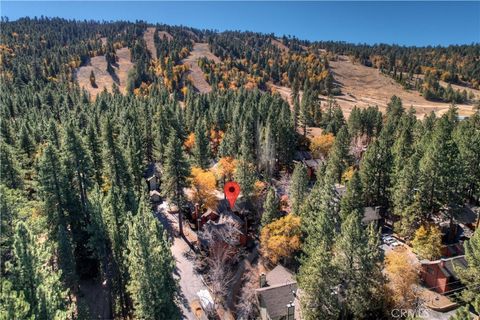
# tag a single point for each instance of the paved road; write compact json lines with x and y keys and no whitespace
{"x":190,"y":282}
{"x":429,"y":314}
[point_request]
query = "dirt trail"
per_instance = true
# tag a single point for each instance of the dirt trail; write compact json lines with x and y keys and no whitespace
{"x":195,"y":73}
{"x":165,"y":35}
{"x":102,"y":78}
{"x":279,"y":44}
{"x":285,"y":92}
{"x":148,"y":37}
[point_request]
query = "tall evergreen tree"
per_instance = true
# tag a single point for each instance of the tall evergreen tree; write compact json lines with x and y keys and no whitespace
{"x":31,"y":274}
{"x":467,"y":138}
{"x":176,"y":171}
{"x":318,"y":276}
{"x":94,"y":146}
{"x":359,"y":268}
{"x":352,"y":201}
{"x":246,"y":177}
{"x":12,"y":303}
{"x":339,"y":157}
{"x":439,"y":169}
{"x":53,"y":134}
{"x":375,"y":171}
{"x":270,"y":207}
{"x":116,"y":166}
{"x":66,"y":258}
{"x":317,"y":279}
{"x":10,"y":172}
{"x":201,"y":150}
{"x":150,"y":262}
{"x":405,"y":197}
{"x":298,"y":187}
{"x":26,"y":143}
{"x":78,"y":162}
{"x":470,"y":276}
{"x":134,"y":153}
{"x":114,"y":215}
{"x":52,"y":187}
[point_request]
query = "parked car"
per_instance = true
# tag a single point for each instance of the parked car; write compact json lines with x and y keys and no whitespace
{"x":395,"y":244}
{"x":388,"y":240}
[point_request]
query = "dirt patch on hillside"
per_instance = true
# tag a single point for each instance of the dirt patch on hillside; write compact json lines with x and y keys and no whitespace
{"x":195,"y":74}
{"x":102,"y":78}
{"x":285,"y":92}
{"x":148,"y":37}
{"x":165,"y":35}
{"x":279,"y":44}
{"x":363,"y":86}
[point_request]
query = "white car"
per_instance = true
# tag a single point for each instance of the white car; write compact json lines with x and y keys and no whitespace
{"x":388,"y":239}
{"x":395,"y":244}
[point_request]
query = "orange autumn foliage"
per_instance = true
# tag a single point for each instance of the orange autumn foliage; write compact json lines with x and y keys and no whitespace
{"x":321,"y":145}
{"x":259,"y":188}
{"x":203,"y":184}
{"x":402,"y":277}
{"x":216,"y":137}
{"x":281,"y":238}
{"x":226,"y":167}
{"x":189,"y":142}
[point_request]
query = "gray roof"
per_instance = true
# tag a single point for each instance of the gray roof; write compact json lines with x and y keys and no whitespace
{"x":449,"y":266}
{"x":467,"y":214}
{"x":279,"y":275}
{"x":275,"y":299}
{"x":370,"y":214}
{"x":230,"y":217}
{"x":240,"y":205}
{"x":278,"y":293}
{"x":302,"y":155}
{"x":313,"y":163}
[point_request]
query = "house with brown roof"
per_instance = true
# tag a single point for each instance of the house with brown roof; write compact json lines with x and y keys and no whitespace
{"x":441,"y":275}
{"x":277,"y":297}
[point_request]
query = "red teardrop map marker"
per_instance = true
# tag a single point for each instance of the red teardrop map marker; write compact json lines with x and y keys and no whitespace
{"x":232,"y":190}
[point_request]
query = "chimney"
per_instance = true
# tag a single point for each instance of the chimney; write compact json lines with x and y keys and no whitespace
{"x":263,"y":280}
{"x":290,"y":311}
{"x":195,"y":213}
{"x":199,"y":224}
{"x":442,"y":263}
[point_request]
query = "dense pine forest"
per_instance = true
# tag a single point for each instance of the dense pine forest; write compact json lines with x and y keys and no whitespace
{"x":75,"y":206}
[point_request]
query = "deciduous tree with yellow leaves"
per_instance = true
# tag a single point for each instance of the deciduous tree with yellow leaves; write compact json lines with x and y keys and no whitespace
{"x":203,"y":184}
{"x":226,"y":167}
{"x":190,"y":142}
{"x":321,"y":145}
{"x":402,"y":277}
{"x":428,"y":242}
{"x":281,"y":239}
